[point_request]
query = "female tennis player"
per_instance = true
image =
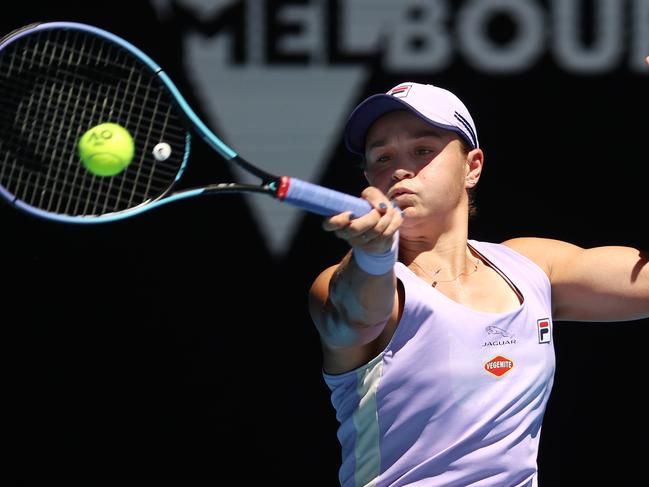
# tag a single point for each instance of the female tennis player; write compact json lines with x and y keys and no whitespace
{"x":438,"y":348}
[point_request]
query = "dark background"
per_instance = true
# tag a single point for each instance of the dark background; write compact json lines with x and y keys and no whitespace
{"x":173,"y":349}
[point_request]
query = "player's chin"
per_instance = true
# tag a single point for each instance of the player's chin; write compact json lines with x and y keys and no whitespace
{"x":407,"y":212}
{"x":406,"y":206}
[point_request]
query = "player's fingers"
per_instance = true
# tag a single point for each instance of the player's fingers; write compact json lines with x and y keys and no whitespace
{"x":381,"y":206}
{"x":376,"y":198}
{"x":361,"y":230}
{"x":379,"y":238}
{"x":359,"y":226}
{"x":384,"y":222}
{"x":394,"y":225}
{"x":336,"y":222}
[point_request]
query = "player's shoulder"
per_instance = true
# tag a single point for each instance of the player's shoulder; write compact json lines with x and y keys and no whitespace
{"x":542,"y":251}
{"x":536,"y":244}
{"x":523,"y":243}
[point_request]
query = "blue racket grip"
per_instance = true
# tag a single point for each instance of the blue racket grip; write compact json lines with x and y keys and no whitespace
{"x":318,"y":199}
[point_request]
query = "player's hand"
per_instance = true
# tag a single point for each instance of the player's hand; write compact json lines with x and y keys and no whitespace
{"x":646,"y":60}
{"x":373,"y":232}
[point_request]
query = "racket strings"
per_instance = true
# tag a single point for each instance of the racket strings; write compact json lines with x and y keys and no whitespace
{"x":57,"y":84}
{"x":80,"y":177}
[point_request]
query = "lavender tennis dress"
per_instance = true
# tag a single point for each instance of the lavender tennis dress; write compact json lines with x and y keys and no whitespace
{"x":457,"y":397}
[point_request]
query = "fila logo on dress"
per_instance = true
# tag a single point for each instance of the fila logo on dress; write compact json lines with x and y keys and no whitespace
{"x":544,"y":327}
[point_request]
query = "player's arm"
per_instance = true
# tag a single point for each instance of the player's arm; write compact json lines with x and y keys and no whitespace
{"x":597,"y":284}
{"x":350,"y":306}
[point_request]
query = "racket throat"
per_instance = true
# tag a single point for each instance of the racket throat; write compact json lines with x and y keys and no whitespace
{"x":276,"y":186}
{"x":266,"y":177}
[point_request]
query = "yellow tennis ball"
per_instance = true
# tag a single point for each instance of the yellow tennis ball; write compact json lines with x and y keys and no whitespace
{"x":106,"y":149}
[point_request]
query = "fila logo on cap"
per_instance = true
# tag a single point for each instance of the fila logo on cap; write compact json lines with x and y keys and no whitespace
{"x":400,"y":91}
{"x":544,"y":327}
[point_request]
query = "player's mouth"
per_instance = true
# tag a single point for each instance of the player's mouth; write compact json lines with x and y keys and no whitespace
{"x":396,"y":192}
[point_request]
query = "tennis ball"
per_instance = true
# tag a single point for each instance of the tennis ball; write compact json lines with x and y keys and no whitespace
{"x":106,"y":149}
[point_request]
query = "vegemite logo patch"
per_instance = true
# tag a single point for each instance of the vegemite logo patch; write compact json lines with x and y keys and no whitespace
{"x":544,"y":326}
{"x":499,"y":366}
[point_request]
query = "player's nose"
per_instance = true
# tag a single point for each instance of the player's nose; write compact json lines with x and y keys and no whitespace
{"x":401,"y":173}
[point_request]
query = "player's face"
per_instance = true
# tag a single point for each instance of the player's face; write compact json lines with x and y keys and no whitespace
{"x":420,"y":167}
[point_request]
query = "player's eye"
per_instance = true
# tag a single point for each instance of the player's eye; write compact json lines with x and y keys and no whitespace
{"x":381,"y":159}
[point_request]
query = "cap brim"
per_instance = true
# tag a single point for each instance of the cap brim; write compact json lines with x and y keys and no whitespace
{"x":366,"y":114}
{"x":375,"y":106}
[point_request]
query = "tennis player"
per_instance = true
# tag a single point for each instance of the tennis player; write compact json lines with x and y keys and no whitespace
{"x":437,"y":348}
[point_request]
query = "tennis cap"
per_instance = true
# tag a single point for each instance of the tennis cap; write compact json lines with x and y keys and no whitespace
{"x":437,"y":106}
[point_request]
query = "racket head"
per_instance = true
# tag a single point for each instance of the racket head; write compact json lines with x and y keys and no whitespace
{"x":59,"y":79}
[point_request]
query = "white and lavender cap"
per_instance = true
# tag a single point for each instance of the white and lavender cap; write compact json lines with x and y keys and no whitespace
{"x":437,"y":106}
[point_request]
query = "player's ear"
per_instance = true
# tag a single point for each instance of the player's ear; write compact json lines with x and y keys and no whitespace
{"x":474,"y":164}
{"x":363,"y":165}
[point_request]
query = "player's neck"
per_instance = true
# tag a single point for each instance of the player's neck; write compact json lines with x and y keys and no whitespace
{"x":443,"y":250}
{"x":444,"y":240}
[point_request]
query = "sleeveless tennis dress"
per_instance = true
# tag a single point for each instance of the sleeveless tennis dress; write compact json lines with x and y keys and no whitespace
{"x":457,"y":397}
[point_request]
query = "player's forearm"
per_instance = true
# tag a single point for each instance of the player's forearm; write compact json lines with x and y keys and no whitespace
{"x":364,"y":299}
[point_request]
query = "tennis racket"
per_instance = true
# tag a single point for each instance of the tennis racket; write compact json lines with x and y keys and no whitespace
{"x":59,"y":79}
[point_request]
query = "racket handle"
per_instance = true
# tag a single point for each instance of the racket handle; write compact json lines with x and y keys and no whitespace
{"x":318,"y":199}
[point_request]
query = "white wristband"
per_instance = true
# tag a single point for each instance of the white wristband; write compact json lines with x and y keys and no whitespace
{"x":377,"y":264}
